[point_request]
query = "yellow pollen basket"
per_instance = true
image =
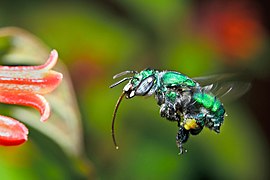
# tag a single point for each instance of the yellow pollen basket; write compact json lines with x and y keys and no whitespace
{"x":190,"y":124}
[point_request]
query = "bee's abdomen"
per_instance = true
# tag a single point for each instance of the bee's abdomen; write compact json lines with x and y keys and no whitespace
{"x":214,"y":107}
{"x":209,"y":102}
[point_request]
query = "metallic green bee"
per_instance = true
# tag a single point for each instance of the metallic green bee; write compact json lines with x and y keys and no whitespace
{"x":192,"y":103}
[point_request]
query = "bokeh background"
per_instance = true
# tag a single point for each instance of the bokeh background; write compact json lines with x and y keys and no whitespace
{"x":97,"y":39}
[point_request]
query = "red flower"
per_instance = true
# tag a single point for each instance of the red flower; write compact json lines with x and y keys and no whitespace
{"x":25,"y":85}
{"x":234,"y":26}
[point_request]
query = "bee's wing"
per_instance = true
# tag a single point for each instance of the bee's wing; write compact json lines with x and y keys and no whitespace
{"x":226,"y":87}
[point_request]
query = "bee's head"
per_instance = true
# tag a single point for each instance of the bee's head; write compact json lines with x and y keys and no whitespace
{"x":141,"y":84}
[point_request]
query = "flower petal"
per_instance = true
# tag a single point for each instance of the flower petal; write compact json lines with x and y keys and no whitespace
{"x":12,"y":132}
{"x":42,"y":85}
{"x":27,"y":99}
{"x":31,"y":79}
{"x":45,"y":67}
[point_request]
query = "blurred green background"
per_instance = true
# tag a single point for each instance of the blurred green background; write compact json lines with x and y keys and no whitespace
{"x":97,"y":39}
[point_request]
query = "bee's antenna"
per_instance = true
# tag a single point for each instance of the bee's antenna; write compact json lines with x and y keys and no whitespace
{"x":114,"y":116}
{"x":119,"y":82}
{"x":124,"y":73}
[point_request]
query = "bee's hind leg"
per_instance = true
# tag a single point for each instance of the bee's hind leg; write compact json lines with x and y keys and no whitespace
{"x":181,"y":138}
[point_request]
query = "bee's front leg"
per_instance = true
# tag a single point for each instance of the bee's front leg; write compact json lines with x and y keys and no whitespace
{"x":181,"y":138}
{"x":167,"y":107}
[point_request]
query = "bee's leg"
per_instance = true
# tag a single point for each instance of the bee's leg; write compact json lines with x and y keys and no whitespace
{"x":197,"y":127}
{"x":196,"y":131}
{"x":194,"y":126}
{"x":178,"y":123}
{"x":182,"y":137}
{"x":168,"y":111}
{"x":160,"y":98}
{"x":194,"y":122}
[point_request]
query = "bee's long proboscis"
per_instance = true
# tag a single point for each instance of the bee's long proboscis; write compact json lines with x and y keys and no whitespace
{"x":114,"y":116}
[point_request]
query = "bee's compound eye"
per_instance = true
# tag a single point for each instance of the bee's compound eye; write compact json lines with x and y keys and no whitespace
{"x":145,"y":86}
